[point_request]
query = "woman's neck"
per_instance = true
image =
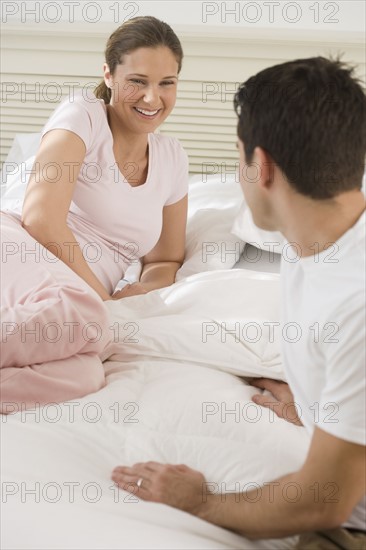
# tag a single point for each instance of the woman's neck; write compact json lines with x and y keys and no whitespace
{"x":131,"y":145}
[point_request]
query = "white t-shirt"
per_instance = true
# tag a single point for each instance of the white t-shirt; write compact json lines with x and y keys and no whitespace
{"x":115,"y":223}
{"x":323,"y":345}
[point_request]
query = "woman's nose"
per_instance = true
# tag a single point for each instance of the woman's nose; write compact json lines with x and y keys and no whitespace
{"x":152,"y":96}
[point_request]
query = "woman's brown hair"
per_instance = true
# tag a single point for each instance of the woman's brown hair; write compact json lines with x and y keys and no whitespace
{"x":138,"y":32}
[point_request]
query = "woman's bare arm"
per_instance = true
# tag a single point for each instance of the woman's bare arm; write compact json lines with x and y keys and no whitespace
{"x":161,"y":264}
{"x":48,"y":197}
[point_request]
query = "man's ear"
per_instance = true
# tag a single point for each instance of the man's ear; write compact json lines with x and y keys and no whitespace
{"x":265,"y":165}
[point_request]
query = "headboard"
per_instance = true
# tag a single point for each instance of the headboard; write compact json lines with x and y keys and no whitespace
{"x":40,"y":66}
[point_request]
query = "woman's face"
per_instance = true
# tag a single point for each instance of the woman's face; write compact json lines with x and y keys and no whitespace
{"x":144,"y":88}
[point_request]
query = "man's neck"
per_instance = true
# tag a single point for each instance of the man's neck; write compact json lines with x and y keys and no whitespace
{"x":315,"y":225}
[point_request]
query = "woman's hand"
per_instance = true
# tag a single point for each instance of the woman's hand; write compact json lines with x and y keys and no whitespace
{"x":129,"y":290}
{"x":281,"y":400}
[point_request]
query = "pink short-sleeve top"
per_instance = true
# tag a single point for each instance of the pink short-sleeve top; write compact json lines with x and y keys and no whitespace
{"x":115,"y":223}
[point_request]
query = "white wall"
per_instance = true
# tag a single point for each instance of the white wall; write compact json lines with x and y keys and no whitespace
{"x":41,"y":60}
{"x":347,"y":15}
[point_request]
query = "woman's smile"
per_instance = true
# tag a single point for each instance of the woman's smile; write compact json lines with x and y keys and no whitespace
{"x":147,"y":113}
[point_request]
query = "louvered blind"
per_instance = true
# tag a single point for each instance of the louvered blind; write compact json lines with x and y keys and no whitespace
{"x":41,"y":67}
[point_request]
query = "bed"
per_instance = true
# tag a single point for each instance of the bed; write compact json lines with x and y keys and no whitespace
{"x":177,"y":391}
{"x":177,"y":376}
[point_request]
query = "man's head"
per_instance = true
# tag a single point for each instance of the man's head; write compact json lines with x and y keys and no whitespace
{"x":308,"y":119}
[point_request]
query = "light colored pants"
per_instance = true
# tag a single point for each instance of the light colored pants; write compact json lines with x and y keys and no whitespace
{"x":53,"y":325}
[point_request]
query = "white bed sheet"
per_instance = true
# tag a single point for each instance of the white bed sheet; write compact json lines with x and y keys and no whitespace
{"x":256,"y":259}
{"x":56,"y":463}
{"x":166,"y":400}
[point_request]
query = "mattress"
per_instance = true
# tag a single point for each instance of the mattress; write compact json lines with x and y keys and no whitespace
{"x":177,"y":391}
{"x":173,"y":400}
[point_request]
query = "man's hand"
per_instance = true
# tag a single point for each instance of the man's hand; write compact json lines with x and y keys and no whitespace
{"x":175,"y":485}
{"x":281,"y":400}
{"x":130,"y":290}
{"x":328,"y":486}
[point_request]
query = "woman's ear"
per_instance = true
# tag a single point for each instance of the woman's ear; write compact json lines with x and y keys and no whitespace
{"x":108,"y":79}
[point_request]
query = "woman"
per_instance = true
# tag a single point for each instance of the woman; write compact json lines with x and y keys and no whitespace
{"x":105,"y":191}
{"x":131,"y":188}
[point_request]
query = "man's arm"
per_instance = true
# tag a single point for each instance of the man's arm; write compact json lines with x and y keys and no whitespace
{"x":319,"y":496}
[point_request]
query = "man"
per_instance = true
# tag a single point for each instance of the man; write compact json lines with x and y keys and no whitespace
{"x":302,"y":133}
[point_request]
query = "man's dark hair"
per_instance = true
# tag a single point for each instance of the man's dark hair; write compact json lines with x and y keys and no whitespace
{"x":310,"y":116}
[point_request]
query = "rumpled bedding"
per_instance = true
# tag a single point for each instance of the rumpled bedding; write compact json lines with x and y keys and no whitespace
{"x":176,"y":392}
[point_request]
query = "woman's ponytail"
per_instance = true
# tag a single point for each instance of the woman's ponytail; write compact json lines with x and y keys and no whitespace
{"x":103,"y":92}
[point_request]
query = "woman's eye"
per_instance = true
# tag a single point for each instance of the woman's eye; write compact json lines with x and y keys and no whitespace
{"x":137,"y":81}
{"x":167,"y":82}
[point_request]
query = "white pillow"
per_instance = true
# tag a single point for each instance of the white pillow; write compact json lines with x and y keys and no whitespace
{"x":245,"y":228}
{"x":23,"y":147}
{"x":227,"y":320}
{"x":210,"y":245}
{"x":213,"y":191}
{"x":212,"y":207}
{"x":12,"y":197}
